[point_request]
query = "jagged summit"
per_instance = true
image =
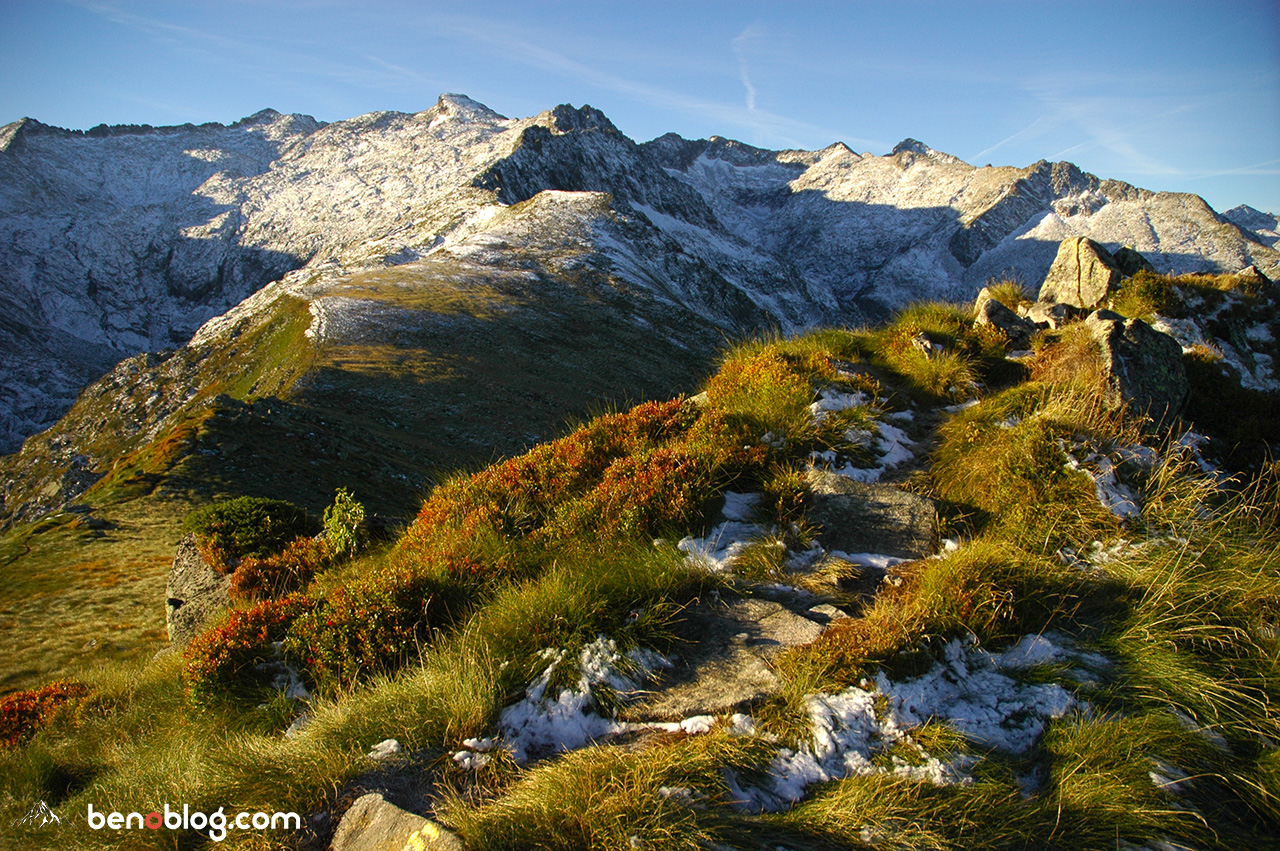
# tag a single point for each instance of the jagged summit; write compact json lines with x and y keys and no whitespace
{"x":914,"y":146}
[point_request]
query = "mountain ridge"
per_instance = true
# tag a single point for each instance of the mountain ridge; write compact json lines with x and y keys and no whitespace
{"x":125,"y":239}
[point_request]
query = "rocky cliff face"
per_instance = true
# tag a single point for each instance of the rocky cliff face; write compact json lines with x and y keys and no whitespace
{"x":126,"y":239}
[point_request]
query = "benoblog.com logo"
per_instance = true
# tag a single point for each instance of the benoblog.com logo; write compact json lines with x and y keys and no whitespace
{"x":216,"y":823}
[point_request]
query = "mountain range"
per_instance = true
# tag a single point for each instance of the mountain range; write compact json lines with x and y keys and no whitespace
{"x":456,"y":283}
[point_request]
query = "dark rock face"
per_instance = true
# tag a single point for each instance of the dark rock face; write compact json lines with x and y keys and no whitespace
{"x":1082,"y":275}
{"x":1131,"y":262}
{"x":1144,"y":367}
{"x":988,"y":311}
{"x":194,"y":595}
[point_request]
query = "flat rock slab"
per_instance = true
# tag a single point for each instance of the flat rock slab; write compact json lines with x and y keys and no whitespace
{"x":724,"y":666}
{"x":374,"y":824}
{"x":855,"y":517}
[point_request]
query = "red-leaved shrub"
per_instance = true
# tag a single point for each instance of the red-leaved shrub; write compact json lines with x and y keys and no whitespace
{"x":23,"y":713}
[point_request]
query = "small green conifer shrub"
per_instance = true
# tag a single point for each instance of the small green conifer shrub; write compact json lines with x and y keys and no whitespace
{"x":246,"y":526}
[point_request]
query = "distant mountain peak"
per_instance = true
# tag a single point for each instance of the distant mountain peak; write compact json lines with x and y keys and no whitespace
{"x":915,"y":146}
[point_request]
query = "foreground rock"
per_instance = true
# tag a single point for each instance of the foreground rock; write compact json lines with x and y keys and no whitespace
{"x":373,"y":824}
{"x":989,"y":311}
{"x":194,"y":595}
{"x":1143,"y":367}
{"x":854,"y":517}
{"x":724,"y":666}
{"x":1082,"y":275}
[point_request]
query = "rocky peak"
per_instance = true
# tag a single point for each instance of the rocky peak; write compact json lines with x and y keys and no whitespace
{"x":566,"y":119}
{"x":463,"y":108}
{"x":915,"y":146}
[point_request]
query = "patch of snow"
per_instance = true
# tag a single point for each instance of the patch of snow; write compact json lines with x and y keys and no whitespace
{"x":968,"y":689}
{"x":1115,"y":496}
{"x":831,"y":401}
{"x":721,"y":545}
{"x":385,"y":749}
{"x":740,"y":506}
{"x":963,"y":406}
{"x":877,"y":560}
{"x":540,"y":724}
{"x":892,"y":443}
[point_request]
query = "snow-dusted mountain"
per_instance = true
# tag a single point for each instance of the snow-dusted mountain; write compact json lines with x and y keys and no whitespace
{"x":127,"y":239}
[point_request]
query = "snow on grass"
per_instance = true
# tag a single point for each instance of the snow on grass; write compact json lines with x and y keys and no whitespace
{"x":866,"y":729}
{"x":740,"y":506}
{"x":1115,"y":495}
{"x":541,"y":724}
{"x":890,"y":441}
{"x":718,"y":548}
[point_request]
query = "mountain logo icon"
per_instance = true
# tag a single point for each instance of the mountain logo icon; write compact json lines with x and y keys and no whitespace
{"x":40,"y":815}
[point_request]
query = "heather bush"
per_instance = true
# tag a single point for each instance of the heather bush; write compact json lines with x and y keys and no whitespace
{"x":246,"y":526}
{"x":23,"y":713}
{"x":221,"y":663}
{"x":281,"y":574}
{"x":373,"y":625}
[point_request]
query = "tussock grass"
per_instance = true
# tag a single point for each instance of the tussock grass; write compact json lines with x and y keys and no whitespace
{"x":663,"y":795}
{"x":1012,"y":294}
{"x":1173,"y":739}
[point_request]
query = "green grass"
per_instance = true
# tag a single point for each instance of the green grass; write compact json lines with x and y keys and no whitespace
{"x":555,"y":547}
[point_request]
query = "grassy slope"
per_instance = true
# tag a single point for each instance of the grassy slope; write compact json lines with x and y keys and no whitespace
{"x":485,"y":365}
{"x":553,"y":548}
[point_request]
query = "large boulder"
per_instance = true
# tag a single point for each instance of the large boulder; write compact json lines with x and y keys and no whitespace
{"x":1143,"y":366}
{"x":1082,"y":274}
{"x":989,"y":311}
{"x":195,"y":593}
{"x":1130,"y":262}
{"x":374,"y":824}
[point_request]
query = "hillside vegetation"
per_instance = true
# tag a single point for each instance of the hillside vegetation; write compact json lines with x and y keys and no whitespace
{"x":1089,"y":660}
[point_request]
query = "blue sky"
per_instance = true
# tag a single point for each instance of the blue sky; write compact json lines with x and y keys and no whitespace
{"x":1179,"y":96}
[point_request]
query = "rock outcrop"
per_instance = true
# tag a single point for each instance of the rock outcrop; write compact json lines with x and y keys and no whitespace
{"x":855,"y":517}
{"x":374,"y":824}
{"x":1130,"y":262}
{"x":1143,"y":366}
{"x":989,"y":311}
{"x":1082,"y":275}
{"x":194,"y":595}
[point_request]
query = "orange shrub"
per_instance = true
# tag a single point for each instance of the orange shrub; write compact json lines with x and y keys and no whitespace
{"x":222,"y":662}
{"x":23,"y":713}
{"x":281,"y":574}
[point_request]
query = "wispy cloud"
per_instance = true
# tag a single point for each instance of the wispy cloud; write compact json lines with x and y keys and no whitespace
{"x":1268,"y":167}
{"x":740,"y":50}
{"x":1032,"y":130}
{"x":775,"y":128}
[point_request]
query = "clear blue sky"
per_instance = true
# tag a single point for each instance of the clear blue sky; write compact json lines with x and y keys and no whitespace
{"x":1181,"y":96}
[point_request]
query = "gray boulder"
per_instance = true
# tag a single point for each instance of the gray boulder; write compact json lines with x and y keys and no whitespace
{"x":194,"y":594}
{"x":374,"y":824}
{"x":1143,"y":366}
{"x":1047,"y":314}
{"x":1131,"y":262}
{"x":989,"y":311}
{"x":1082,"y":274}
